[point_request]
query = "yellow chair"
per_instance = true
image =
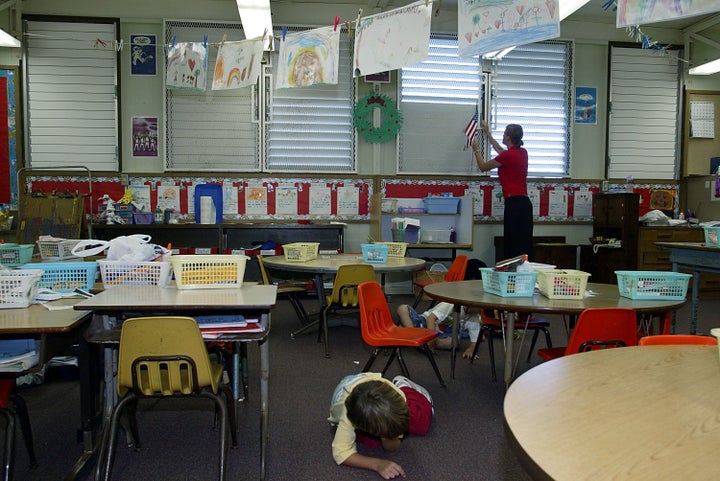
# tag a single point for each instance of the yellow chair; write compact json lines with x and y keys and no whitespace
{"x":287,"y":289}
{"x":344,"y":294}
{"x":166,"y":357}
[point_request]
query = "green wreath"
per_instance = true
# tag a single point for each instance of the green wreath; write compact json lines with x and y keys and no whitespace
{"x":391,"y":118}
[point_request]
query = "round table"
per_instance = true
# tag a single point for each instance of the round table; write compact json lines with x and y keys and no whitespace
{"x":471,"y":293}
{"x":630,"y":413}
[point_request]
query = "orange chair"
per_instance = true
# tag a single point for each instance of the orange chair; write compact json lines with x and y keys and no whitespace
{"x":597,"y":328}
{"x":493,"y":326}
{"x":11,"y":404}
{"x":455,"y":273}
{"x":665,"y":339}
{"x":380,"y":332}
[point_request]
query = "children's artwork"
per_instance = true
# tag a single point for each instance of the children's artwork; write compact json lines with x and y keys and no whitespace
{"x":582,"y":205}
{"x":320,"y":199}
{"x":286,"y":199}
{"x":490,"y":25}
{"x":256,"y":199}
{"x":169,"y":197}
{"x":393,"y":39}
{"x":141,"y":196}
{"x":558,"y":203}
{"x":348,"y":200}
{"x":237,"y":64}
{"x":230,"y":198}
{"x":640,"y":12}
{"x":585,"y":105}
{"x":186,"y":66}
{"x":143,"y":56}
{"x":309,"y":58}
{"x":145,"y":136}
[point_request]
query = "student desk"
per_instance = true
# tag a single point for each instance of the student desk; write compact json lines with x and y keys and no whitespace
{"x":57,"y":330}
{"x":471,"y":293}
{"x":630,"y":413}
{"x":111,"y":306}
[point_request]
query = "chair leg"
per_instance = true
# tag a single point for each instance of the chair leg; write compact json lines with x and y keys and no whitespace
{"x":108,"y":450}
{"x":418,"y":298}
{"x":299,"y":309}
{"x":323,"y":330}
{"x":483,"y":329}
{"x":221,"y":407}
{"x":401,"y":361}
{"x":428,"y":352}
{"x":391,"y":358}
{"x":376,"y":352}
{"x":491,"y":351}
{"x":24,"y":418}
{"x":232,"y":415}
{"x":131,"y":412}
{"x":536,"y":333}
{"x":9,"y":444}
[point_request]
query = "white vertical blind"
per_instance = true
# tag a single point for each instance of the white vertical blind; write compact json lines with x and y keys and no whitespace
{"x":71,"y":87}
{"x":644,"y":114}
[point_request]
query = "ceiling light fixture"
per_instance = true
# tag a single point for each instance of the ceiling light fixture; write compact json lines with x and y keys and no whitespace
{"x":256,"y":20}
{"x":707,"y":68}
{"x":7,"y":40}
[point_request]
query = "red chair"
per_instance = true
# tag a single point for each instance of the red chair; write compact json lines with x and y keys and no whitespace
{"x":597,"y":328}
{"x":665,"y":339}
{"x":455,"y":273}
{"x":379,"y":331}
{"x":11,"y":404}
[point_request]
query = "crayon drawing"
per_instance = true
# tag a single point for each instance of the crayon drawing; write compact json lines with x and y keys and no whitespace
{"x":489,"y":25}
{"x":237,"y":64}
{"x":393,"y":39}
{"x":186,"y":66}
{"x":641,"y":12}
{"x":309,"y":58}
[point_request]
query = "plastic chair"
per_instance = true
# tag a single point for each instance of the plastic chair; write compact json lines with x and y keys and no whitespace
{"x":380,"y":332}
{"x":666,"y":339}
{"x":492,"y":326}
{"x":163,"y":357}
{"x":456,"y":272}
{"x":344,"y":295}
{"x":287,"y":289}
{"x":12,"y":405}
{"x":598,"y":328}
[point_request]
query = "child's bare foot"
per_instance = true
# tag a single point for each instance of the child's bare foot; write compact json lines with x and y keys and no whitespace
{"x":468,"y":354}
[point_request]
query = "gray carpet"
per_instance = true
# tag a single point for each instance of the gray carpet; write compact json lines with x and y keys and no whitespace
{"x":465,"y":442}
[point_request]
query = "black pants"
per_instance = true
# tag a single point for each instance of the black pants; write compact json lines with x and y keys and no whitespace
{"x":518,"y":227}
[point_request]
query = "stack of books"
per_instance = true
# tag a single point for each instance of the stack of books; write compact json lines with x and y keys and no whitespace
{"x":17,"y":355}
{"x":213,"y":327}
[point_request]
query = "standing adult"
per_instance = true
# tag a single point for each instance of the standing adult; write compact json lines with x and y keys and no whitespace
{"x":512,"y":166}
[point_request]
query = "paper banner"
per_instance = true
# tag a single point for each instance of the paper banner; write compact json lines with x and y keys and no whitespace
{"x":490,"y":25}
{"x":186,"y":66}
{"x":238,"y":64}
{"x":640,"y":12}
{"x":309,"y":58}
{"x":393,"y":39}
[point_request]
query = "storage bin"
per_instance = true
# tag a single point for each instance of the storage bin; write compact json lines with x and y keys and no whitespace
{"x":66,"y":276}
{"x":122,"y":273}
{"x":562,"y":283}
{"x":375,"y":253}
{"x":57,"y":250}
{"x":143,"y":218}
{"x":301,"y":251}
{"x":441,"y":205}
{"x":208,"y":271}
{"x":395,"y":249}
{"x":508,"y":284}
{"x":14,"y":255}
{"x":18,"y":287}
{"x":434,"y":236}
{"x":712,"y":236}
{"x":649,"y":285}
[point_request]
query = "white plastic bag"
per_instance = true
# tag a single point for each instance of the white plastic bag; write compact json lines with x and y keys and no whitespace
{"x":131,"y":248}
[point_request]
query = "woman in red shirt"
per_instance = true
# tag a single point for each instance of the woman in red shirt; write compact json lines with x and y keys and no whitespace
{"x":512,"y":165}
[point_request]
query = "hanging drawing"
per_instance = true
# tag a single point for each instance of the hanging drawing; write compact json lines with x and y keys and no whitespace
{"x":390,"y":118}
{"x":309,"y":58}
{"x":237,"y":64}
{"x":489,"y":25}
{"x":393,"y":39}
{"x":640,"y":12}
{"x":145,"y":136}
{"x":186,"y":66}
{"x":143,"y":56}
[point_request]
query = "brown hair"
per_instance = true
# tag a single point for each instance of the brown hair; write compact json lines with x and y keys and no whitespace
{"x":378,"y":409}
{"x":515,"y":132}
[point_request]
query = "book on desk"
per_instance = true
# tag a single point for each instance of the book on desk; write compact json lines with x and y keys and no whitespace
{"x":213,"y":327}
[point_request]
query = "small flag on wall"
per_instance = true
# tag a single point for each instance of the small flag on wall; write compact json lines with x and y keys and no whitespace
{"x":471,"y":129}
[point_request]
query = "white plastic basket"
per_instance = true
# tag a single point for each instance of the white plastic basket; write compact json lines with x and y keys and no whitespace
{"x":122,"y":273}
{"x":58,"y":250}
{"x":208,"y":271}
{"x":19,"y":287}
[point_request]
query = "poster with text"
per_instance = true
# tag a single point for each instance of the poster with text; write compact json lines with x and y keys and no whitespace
{"x":143,"y":55}
{"x":237,"y":64}
{"x":286,"y":200}
{"x":186,"y":66}
{"x":309,"y":58}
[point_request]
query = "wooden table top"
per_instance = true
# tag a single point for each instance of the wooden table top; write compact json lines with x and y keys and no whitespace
{"x":328,"y":264}
{"x":631,"y":413}
{"x":38,"y":319}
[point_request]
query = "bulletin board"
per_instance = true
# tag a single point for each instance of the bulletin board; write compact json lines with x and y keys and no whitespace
{"x":697,"y":151}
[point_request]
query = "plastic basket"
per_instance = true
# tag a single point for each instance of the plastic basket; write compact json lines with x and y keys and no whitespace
{"x":395,"y":249}
{"x":14,"y":255}
{"x":712,"y":236}
{"x":208,"y":271}
{"x":375,"y":253}
{"x":562,"y":283}
{"x":649,"y":285}
{"x":301,"y":251}
{"x":66,"y":276}
{"x":58,"y":250}
{"x":18,"y":288}
{"x":122,"y":273}
{"x":508,"y":284}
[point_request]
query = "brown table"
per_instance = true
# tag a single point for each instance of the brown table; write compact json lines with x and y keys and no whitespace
{"x":632,"y":413}
{"x":471,"y":293}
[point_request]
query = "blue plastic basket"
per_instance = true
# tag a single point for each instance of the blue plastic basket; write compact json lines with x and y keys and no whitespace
{"x":653,"y":285}
{"x":65,"y":276}
{"x":508,"y":284}
{"x":375,"y":253}
{"x":14,"y":255}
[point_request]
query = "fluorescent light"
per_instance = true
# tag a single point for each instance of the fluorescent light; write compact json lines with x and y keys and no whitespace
{"x":568,"y":7}
{"x":707,"y":68}
{"x":256,"y":19}
{"x":7,"y":40}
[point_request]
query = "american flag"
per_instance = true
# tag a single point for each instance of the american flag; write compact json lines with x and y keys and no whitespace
{"x":471,"y":129}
